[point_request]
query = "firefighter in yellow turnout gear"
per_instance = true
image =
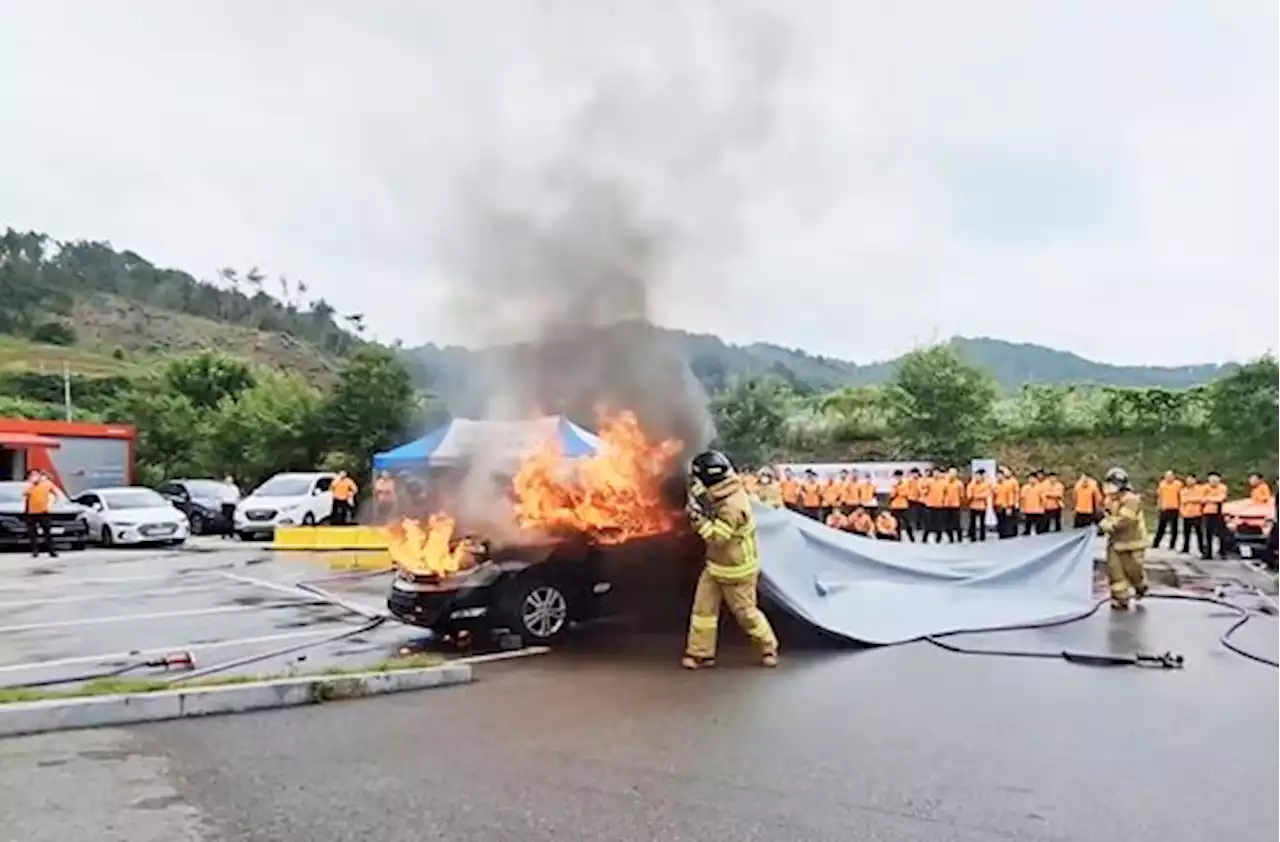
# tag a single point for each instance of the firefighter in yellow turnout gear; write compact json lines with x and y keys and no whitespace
{"x":721,"y":514}
{"x":1126,"y":531}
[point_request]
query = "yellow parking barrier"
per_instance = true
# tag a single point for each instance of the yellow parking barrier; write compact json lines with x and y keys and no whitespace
{"x":329,"y":538}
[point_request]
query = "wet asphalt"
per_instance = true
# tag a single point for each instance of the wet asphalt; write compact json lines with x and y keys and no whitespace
{"x":608,"y":739}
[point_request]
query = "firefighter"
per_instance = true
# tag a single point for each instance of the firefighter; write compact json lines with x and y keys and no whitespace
{"x":38,"y":496}
{"x":790,"y":490}
{"x":344,"y":499}
{"x":1189,"y":509}
{"x":952,"y":499}
{"x":1032,"y":504}
{"x":1086,"y":501}
{"x":887,"y":526}
{"x":1168,"y":501}
{"x":1053,"y":494}
{"x":767,"y":491}
{"x":1259,"y":491}
{"x":1126,"y":531}
{"x":384,"y":497}
{"x":978,"y":493}
{"x":1006,"y":500}
{"x":721,"y":514}
{"x":900,"y":503}
{"x":811,"y":495}
{"x":861,"y":523}
{"x":1211,"y":525}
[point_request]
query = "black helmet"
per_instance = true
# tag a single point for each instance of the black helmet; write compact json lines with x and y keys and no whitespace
{"x":711,"y":467}
{"x":1117,"y":476}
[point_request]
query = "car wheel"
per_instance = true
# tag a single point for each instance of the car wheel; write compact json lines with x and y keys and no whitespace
{"x":245,"y":536}
{"x":308,"y":519}
{"x":539,"y":610}
{"x":105,"y":537}
{"x":197,"y":524}
{"x":77,"y":546}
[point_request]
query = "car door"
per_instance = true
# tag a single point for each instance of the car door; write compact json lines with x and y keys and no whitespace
{"x":92,"y":513}
{"x":321,"y":499}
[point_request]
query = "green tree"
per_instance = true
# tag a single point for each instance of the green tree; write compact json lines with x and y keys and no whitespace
{"x":371,"y":406}
{"x":169,"y":428}
{"x":208,"y":377}
{"x":858,"y":411}
{"x":271,"y":427}
{"x":1243,"y":412}
{"x":750,"y":416}
{"x":940,"y":406}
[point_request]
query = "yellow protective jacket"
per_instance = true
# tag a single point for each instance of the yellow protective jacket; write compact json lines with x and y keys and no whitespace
{"x":730,"y":532}
{"x":1124,"y":525}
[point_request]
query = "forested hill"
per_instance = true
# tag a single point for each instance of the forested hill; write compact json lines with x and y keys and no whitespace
{"x":102,"y":310}
{"x":716,"y":362}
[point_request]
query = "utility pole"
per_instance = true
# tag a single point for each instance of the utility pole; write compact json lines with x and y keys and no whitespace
{"x":66,"y":389}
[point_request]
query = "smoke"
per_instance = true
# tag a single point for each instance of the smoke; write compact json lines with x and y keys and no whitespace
{"x":568,"y":254}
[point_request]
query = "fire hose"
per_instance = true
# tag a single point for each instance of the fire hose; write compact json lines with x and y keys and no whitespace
{"x":1165,"y":660}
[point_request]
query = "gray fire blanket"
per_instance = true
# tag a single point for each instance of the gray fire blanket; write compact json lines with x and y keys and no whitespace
{"x":884,"y":592}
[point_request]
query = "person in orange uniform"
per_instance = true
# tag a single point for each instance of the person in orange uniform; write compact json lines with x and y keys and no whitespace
{"x":887,"y":526}
{"x":1006,"y":498}
{"x":952,"y":497}
{"x":900,"y":503}
{"x":1032,"y":504}
{"x":38,"y":496}
{"x":344,"y":499}
{"x":833,"y":494}
{"x":848,"y":493}
{"x":1168,"y":501}
{"x":790,"y":489}
{"x":867,"y":498}
{"x":811,"y":495}
{"x":1086,"y":501}
{"x":1054,"y":492}
{"x":1259,"y":491}
{"x":384,"y":497}
{"x":749,"y":481}
{"x":1189,"y":509}
{"x":934,"y":491}
{"x":1215,"y":494}
{"x":915,"y":503}
{"x":861,"y":523}
{"x":836,"y":520}
{"x":978,"y":493}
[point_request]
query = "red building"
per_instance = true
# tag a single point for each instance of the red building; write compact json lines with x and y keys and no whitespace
{"x":77,"y":456}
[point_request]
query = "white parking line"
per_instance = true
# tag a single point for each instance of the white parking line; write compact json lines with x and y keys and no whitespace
{"x":162,"y":650}
{"x":162,"y":615}
{"x":98,"y":597}
{"x":502,"y":656}
{"x":57,"y":581}
{"x":356,"y":607}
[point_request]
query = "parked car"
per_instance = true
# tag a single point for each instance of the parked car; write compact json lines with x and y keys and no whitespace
{"x":294,"y":499}
{"x":133,"y":515}
{"x":1248,"y":526}
{"x":539,"y":592}
{"x":69,"y":527}
{"x":201,"y":501}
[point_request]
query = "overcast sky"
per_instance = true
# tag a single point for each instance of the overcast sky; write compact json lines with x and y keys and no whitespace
{"x":1090,"y":175}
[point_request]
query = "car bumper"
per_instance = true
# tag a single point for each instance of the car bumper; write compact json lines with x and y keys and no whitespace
{"x":466,"y":603}
{"x":61,"y":535}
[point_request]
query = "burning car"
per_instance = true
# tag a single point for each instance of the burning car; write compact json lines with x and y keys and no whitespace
{"x":1249,"y":526}
{"x":586,"y":539}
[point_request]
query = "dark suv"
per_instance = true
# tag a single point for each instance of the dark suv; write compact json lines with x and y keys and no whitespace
{"x":68,"y":527}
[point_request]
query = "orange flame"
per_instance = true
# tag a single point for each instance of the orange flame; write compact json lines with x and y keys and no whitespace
{"x":613,"y":496}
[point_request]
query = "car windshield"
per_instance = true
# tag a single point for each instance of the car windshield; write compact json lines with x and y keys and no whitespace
{"x":209,"y":488}
{"x":133,"y":498}
{"x":284,"y":486}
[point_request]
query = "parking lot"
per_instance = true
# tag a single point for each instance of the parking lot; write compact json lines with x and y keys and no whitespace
{"x":90,"y":612}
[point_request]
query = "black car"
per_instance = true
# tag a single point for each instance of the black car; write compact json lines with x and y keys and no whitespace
{"x":201,"y":501}
{"x":539,"y":592}
{"x":69,"y":528}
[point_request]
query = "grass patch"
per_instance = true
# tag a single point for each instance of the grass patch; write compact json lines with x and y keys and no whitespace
{"x":137,"y":686}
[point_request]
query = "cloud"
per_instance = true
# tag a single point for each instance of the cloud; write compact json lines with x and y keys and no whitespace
{"x":1098,"y":177}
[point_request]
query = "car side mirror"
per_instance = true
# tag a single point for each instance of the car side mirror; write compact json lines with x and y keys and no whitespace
{"x":97,"y":507}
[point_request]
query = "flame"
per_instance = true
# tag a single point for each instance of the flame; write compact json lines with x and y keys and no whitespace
{"x":613,"y":496}
{"x":430,"y":551}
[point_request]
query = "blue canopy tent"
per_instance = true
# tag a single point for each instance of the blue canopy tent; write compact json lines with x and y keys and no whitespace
{"x":462,"y":438}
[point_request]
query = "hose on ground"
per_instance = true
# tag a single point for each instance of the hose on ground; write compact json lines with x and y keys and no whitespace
{"x":1166,"y":660}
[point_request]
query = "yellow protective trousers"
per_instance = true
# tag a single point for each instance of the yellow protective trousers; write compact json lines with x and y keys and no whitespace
{"x":740,"y":596}
{"x":1124,"y":568}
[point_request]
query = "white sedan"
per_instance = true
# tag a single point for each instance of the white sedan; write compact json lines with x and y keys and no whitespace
{"x":133,"y":515}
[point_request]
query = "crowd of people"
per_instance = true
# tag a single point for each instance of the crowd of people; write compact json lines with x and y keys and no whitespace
{"x":939,"y":503}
